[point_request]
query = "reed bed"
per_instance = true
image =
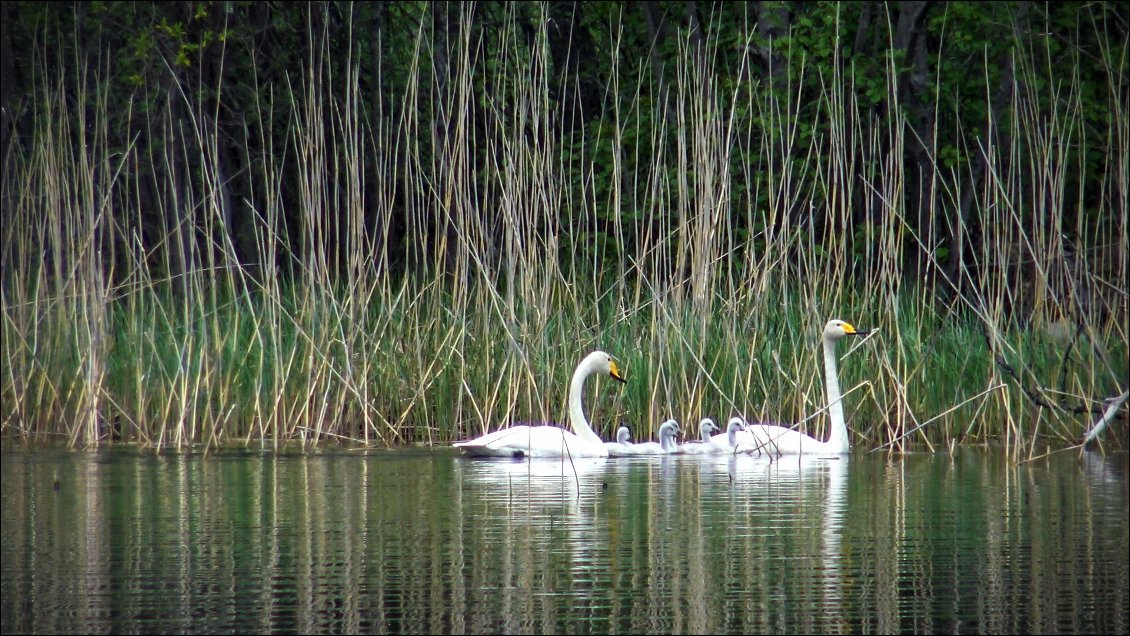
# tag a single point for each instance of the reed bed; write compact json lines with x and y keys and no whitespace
{"x":705,"y":250}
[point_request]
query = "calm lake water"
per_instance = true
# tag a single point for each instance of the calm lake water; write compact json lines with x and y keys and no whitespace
{"x":125,"y":541}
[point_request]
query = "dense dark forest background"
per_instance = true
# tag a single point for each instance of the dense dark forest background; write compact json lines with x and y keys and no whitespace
{"x":237,"y":71}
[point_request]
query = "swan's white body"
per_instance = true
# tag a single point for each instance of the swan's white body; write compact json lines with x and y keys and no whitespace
{"x":665,"y":445}
{"x":778,"y":440}
{"x":728,"y":441}
{"x":547,"y":440}
{"x":706,"y":445}
{"x":623,"y":441}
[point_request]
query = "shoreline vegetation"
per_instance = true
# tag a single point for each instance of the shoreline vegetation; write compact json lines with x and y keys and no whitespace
{"x":412,"y":230}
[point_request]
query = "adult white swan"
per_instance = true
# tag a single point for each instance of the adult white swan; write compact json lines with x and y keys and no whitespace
{"x":547,"y":440}
{"x":667,"y":432}
{"x":778,"y":440}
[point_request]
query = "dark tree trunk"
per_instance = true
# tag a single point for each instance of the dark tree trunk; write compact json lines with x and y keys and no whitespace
{"x":657,"y":31}
{"x":914,"y":95}
{"x":443,"y":239}
{"x":964,"y":235}
{"x":773,"y":23}
{"x":578,"y":94}
{"x":10,"y":90}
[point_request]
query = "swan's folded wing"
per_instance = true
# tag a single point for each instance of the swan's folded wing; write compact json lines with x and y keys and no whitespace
{"x":531,"y":441}
{"x":488,"y":439}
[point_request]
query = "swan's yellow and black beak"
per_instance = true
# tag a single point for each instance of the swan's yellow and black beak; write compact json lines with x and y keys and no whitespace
{"x":852,"y":331}
{"x":614,"y":371}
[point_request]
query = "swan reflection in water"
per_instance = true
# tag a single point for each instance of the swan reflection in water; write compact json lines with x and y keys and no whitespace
{"x":543,"y":487}
{"x":494,"y":477}
{"x":617,"y":517}
{"x":769,"y":484}
{"x":531,"y":513}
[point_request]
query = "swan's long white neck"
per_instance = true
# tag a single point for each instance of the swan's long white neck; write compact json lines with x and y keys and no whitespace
{"x":576,"y":413}
{"x":704,"y":432}
{"x":838,"y":438}
{"x":732,"y":434}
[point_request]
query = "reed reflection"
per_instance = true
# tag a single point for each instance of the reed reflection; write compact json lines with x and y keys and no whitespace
{"x":402,"y":542}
